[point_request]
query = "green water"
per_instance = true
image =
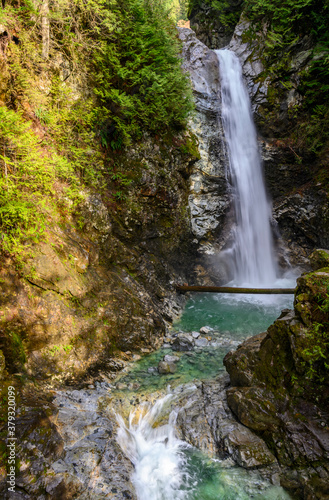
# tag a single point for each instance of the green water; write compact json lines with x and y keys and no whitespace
{"x":212,"y":480}
{"x":232,"y":320}
{"x":239,"y":316}
{"x":199,"y":364}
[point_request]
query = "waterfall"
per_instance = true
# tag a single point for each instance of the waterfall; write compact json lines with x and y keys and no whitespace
{"x":252,"y":251}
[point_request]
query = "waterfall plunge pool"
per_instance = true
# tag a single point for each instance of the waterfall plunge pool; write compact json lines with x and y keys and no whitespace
{"x":231,"y":320}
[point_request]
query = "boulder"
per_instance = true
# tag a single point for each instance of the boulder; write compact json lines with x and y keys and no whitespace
{"x":169,"y":358}
{"x":205,"y":330}
{"x":319,"y":258}
{"x":164,"y":367}
{"x":183,"y":342}
{"x":201,"y":342}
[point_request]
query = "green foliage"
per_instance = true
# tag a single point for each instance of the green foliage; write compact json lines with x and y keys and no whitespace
{"x":23,"y":171}
{"x":122,"y":58}
{"x":288,"y":26}
{"x":177,"y":9}
{"x":315,"y":354}
{"x":138,"y":79}
{"x":57,"y":349}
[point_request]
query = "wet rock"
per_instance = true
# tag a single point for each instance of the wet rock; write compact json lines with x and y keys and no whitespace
{"x":208,"y":200}
{"x":207,"y":422}
{"x":165,"y":367}
{"x":205,"y":330}
{"x":183,"y":342}
{"x":169,"y":358}
{"x":93,"y":465}
{"x":247,"y":449}
{"x":201,"y":342}
{"x":195,"y":335}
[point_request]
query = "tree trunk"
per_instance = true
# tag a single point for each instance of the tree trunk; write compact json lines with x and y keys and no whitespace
{"x":229,"y":289}
{"x":45,"y":28}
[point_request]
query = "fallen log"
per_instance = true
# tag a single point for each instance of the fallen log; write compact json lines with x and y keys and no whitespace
{"x":231,"y":289}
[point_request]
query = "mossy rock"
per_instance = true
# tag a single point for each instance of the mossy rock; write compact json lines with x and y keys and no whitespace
{"x":319,"y":259}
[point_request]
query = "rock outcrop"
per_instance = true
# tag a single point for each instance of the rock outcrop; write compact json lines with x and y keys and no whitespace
{"x":208,"y":200}
{"x":90,"y":292}
{"x":208,"y":22}
{"x":280,"y":387}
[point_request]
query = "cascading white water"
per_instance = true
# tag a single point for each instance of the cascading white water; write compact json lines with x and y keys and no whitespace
{"x":252,"y":251}
{"x":155,"y":453}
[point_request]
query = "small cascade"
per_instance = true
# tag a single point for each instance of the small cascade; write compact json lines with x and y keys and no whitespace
{"x":252,"y":252}
{"x":155,"y":452}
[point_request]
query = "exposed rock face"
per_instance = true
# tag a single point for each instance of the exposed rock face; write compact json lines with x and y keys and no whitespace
{"x":275,"y":394}
{"x":249,"y":53}
{"x":206,"y":22}
{"x":303,"y":220}
{"x":71,"y":454}
{"x":208,"y":200}
{"x":207,"y":423}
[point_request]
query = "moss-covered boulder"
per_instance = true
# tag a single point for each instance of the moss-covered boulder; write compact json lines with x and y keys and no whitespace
{"x":319,"y":258}
{"x":280,"y":387}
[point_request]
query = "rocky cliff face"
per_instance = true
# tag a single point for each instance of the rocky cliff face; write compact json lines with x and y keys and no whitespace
{"x":88,"y":293}
{"x":209,"y":25}
{"x":208,"y":199}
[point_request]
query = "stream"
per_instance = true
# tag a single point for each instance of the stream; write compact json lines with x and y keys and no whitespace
{"x":165,"y":467}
